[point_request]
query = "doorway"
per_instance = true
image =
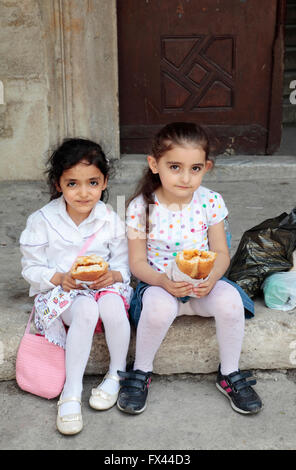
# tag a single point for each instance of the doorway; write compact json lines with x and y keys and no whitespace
{"x":210,"y":62}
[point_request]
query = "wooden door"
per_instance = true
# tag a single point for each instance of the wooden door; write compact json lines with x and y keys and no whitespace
{"x":207,"y":61}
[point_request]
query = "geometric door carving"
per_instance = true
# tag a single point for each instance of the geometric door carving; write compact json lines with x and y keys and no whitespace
{"x":197,"y":73}
{"x":217,"y":63}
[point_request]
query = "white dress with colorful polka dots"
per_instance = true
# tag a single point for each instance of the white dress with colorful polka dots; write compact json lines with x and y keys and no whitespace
{"x":174,"y":231}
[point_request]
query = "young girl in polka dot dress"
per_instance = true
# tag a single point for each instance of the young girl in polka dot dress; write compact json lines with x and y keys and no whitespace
{"x":172,"y":211}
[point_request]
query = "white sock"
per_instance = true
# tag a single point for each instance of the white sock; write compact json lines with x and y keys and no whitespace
{"x":158,"y":313}
{"x":117,"y":333}
{"x":82,"y":317}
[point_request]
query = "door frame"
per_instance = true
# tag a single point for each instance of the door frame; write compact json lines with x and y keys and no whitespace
{"x":277,"y":81}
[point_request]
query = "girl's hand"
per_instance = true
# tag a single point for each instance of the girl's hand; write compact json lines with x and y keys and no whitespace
{"x":178,"y":289}
{"x":204,"y":288}
{"x":107,"y":279}
{"x":68,"y":283}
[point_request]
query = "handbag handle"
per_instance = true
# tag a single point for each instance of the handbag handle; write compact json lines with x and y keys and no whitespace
{"x":27,"y":331}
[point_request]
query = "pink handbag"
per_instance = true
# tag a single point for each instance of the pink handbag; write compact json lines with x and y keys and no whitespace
{"x":40,"y":365}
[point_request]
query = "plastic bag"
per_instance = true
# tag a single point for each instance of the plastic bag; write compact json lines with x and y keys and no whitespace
{"x":280,"y":291}
{"x":263,"y":250}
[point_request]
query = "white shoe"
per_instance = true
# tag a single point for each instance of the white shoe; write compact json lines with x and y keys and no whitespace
{"x":101,"y":400}
{"x":72,"y":423}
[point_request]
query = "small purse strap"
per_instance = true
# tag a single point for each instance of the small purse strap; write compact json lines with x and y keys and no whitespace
{"x":87,"y":243}
{"x":29,"y":321}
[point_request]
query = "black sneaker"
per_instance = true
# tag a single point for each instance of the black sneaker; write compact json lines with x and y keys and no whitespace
{"x":133,"y":391}
{"x":239,"y":391}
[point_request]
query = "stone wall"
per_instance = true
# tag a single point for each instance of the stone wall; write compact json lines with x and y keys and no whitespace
{"x":58,"y":70}
{"x":24,"y":117}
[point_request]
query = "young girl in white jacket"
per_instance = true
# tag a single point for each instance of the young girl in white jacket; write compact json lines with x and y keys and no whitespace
{"x":77,"y":176}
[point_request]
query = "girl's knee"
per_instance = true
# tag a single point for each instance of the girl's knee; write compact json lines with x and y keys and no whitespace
{"x":228,"y":304}
{"x":86,"y":311}
{"x":232,"y":308}
{"x":159,"y":307}
{"x":112,"y":310}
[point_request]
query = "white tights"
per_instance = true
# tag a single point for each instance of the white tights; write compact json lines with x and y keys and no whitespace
{"x":82,"y":317}
{"x":161,"y":308}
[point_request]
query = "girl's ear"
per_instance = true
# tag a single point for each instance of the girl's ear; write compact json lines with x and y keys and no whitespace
{"x":209,"y":165}
{"x":58,"y":188}
{"x":105,"y":183}
{"x":152,"y":164}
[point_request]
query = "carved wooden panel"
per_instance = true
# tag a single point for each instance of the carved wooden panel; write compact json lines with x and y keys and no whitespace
{"x":197,"y":73}
{"x":212,"y":62}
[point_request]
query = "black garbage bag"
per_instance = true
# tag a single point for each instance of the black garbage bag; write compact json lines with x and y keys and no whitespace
{"x":264,"y":250}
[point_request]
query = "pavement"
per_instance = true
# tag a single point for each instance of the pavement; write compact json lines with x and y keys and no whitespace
{"x":185,"y":411}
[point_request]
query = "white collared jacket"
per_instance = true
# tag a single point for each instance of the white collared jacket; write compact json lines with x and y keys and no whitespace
{"x":51,"y":242}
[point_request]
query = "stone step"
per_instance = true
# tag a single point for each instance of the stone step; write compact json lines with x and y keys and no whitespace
{"x":254,"y":189}
{"x":190,"y":345}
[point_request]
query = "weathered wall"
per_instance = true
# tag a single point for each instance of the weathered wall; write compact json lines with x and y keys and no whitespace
{"x":58,"y":66}
{"x":23,"y":118}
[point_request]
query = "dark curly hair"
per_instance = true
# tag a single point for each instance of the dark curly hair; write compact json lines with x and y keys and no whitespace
{"x":176,"y":134}
{"x":68,"y":154}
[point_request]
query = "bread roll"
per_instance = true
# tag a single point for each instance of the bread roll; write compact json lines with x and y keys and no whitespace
{"x":89,"y":268}
{"x":195,"y":263}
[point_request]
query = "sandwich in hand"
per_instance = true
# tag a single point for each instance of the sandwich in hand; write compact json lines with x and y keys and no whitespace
{"x":89,"y":268}
{"x":195,"y":263}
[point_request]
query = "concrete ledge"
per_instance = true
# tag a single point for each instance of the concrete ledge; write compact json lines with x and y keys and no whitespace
{"x":190,"y":345}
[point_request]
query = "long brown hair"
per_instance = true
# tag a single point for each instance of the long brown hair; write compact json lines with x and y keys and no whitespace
{"x":176,"y":134}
